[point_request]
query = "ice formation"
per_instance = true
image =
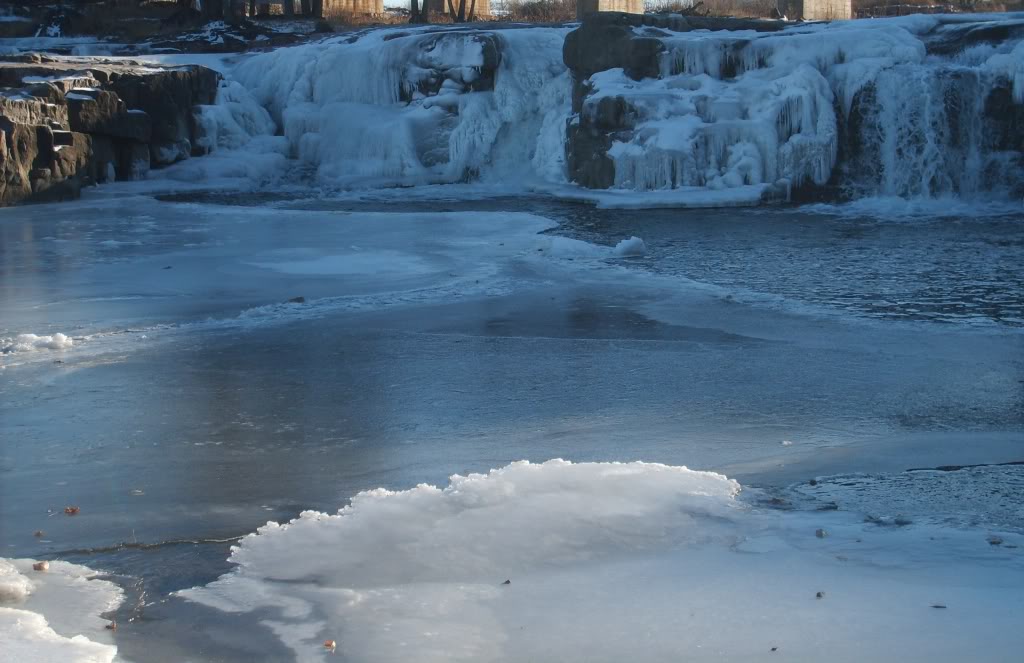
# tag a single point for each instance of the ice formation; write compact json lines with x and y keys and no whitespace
{"x":54,"y":615}
{"x":730,"y":114}
{"x":409,"y":107}
{"x":732,"y":109}
{"x":616,"y":561}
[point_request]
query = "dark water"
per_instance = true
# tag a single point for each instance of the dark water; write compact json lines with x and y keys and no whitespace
{"x":958,"y":270}
{"x":739,"y":330}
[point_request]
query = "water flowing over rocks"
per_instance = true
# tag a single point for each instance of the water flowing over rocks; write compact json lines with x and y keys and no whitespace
{"x":65,"y":124}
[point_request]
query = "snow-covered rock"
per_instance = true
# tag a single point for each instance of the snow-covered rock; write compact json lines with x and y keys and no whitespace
{"x":672,"y":103}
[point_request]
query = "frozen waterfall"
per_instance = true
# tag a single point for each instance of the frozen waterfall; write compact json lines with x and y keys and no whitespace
{"x":915,"y":107}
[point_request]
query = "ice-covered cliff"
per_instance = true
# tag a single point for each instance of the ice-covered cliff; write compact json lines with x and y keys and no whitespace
{"x":746,"y":110}
{"x":919,"y":106}
{"x":406,"y":107}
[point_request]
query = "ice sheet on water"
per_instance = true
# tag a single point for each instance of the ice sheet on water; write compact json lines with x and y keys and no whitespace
{"x":615,"y":561}
{"x":984,"y":495}
{"x":53,"y":616}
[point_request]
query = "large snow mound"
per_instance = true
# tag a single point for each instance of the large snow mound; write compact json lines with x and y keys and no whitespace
{"x":53,"y":616}
{"x":616,"y":561}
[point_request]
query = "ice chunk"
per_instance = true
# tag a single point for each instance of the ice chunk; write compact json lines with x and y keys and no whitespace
{"x":13,"y":585}
{"x":634,"y":246}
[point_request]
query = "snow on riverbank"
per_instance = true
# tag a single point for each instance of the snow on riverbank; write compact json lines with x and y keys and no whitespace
{"x":53,"y":615}
{"x":610,"y":561}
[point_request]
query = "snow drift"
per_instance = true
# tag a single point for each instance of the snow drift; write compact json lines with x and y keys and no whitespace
{"x":616,"y":561}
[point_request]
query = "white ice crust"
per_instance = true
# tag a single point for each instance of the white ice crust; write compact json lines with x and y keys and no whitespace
{"x":612,"y":562}
{"x":53,"y":616}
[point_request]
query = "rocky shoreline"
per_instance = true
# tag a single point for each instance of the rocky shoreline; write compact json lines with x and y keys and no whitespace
{"x":65,"y":124}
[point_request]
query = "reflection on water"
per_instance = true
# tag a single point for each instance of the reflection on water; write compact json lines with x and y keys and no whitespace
{"x":946,"y":270}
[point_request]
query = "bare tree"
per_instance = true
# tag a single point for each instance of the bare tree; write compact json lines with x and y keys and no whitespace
{"x":416,"y":14}
{"x":460,"y":15}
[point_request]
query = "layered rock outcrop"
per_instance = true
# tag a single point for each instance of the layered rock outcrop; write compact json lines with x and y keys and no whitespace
{"x":65,"y":125}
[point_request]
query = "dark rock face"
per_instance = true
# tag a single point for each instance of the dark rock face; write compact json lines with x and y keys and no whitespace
{"x":168,"y":99}
{"x":481,"y":77}
{"x":586,"y":152}
{"x":101,"y":112}
{"x":63,"y":127}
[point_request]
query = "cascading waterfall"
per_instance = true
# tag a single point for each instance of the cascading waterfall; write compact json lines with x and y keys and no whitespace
{"x":933,"y":130}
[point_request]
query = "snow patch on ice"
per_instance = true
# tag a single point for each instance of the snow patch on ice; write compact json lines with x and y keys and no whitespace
{"x":32,"y":342}
{"x":13,"y":585}
{"x":45,"y":618}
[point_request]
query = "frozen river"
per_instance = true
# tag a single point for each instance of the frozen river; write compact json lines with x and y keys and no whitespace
{"x":199,"y":398}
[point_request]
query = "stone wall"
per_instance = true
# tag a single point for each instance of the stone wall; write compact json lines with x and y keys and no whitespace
{"x":334,"y":7}
{"x":482,"y":8}
{"x":826,"y":10}
{"x":63,"y":126}
{"x":584,"y":7}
